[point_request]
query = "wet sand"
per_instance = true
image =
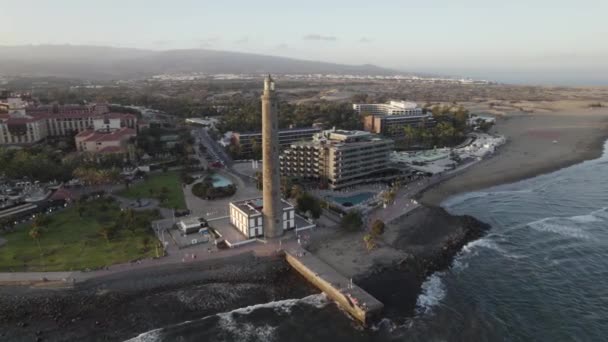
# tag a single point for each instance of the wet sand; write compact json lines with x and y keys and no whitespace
{"x":537,"y":143}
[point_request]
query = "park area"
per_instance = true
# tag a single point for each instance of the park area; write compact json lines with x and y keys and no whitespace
{"x":165,"y":187}
{"x":88,"y":235}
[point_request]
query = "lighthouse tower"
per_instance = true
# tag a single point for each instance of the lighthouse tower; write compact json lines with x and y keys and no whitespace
{"x":272,"y":210}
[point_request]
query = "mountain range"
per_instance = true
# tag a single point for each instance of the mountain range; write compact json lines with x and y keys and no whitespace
{"x":108,"y":63}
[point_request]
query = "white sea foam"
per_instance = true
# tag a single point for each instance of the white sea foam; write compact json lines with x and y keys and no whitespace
{"x":284,"y":306}
{"x":564,"y":230}
{"x":245,"y":331}
{"x":585,"y":218}
{"x":470,"y":249}
{"x":601,"y":214}
{"x":433,"y":292}
{"x":150,"y":336}
{"x":248,"y":331}
{"x":463,"y":198}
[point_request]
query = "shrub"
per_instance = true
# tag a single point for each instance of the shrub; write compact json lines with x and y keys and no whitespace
{"x":378,"y":228}
{"x":352,"y":221}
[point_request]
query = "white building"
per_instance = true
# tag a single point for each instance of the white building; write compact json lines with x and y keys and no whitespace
{"x":191,"y":225}
{"x":246,"y":216}
{"x":390,"y":108}
{"x":340,"y":158}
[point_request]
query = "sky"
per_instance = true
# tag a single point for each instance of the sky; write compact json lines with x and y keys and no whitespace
{"x":468,"y":37}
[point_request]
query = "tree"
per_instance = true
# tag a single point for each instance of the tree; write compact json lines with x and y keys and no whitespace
{"x":256,"y":149}
{"x":81,"y":209}
{"x":296,"y":191}
{"x":378,"y":228}
{"x":286,"y":186}
{"x":41,"y":220}
{"x":411,"y":135}
{"x":35,"y":233}
{"x":259,"y":180}
{"x":389,"y":196}
{"x":370,"y":241}
{"x":106,"y":233}
{"x":352,"y":221}
{"x":308,"y":203}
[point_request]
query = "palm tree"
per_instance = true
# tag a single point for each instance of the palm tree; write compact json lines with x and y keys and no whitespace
{"x":35,"y":233}
{"x":410,"y":134}
{"x":105,"y":232}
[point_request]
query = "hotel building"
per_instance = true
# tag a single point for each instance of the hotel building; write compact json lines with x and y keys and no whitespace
{"x":24,"y":125}
{"x":340,"y":158}
{"x":390,"y":119}
{"x":286,"y":137}
{"x":110,"y":133}
{"x":390,"y":108}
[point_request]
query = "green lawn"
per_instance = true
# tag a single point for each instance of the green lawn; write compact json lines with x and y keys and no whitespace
{"x":169,"y":180}
{"x":71,"y":242}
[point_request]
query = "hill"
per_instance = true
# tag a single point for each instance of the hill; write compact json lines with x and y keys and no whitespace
{"x":104,"y":63}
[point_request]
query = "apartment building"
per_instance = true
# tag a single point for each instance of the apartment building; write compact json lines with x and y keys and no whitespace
{"x":286,"y":137}
{"x":340,"y":158}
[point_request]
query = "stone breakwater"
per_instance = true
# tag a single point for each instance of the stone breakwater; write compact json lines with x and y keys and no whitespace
{"x":431,"y":238}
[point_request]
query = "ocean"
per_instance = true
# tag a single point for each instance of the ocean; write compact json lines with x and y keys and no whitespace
{"x":540,"y":274}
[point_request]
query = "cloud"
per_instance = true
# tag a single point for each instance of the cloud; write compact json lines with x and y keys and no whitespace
{"x":365,"y":40}
{"x":282,"y":46}
{"x":243,"y":40}
{"x":319,"y":37}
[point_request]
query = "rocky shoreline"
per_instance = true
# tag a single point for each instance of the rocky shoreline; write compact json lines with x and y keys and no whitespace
{"x":121,"y":306}
{"x":431,"y":238}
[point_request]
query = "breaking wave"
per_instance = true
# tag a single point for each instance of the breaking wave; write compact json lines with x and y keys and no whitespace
{"x":433,"y":291}
{"x":238,"y":328}
{"x":544,"y":225}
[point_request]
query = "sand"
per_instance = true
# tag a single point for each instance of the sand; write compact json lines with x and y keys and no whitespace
{"x":537,"y":143}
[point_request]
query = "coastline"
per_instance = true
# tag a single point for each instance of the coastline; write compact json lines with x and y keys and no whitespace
{"x":122,"y":305}
{"x":536,"y":144}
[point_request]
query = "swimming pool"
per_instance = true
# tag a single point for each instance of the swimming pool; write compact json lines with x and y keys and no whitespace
{"x":220,"y":181}
{"x":349,"y":201}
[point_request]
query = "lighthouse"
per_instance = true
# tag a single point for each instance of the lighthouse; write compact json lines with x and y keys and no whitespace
{"x":272,"y":210}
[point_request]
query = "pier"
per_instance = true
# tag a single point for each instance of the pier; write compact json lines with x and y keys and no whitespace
{"x":358,"y":303}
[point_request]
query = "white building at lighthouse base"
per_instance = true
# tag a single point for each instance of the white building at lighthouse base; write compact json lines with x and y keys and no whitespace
{"x":246,"y":216}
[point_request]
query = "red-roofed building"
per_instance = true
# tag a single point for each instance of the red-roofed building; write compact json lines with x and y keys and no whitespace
{"x":104,"y":141}
{"x":32,"y":124}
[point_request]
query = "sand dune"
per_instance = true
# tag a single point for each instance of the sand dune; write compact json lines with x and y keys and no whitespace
{"x":538,"y":143}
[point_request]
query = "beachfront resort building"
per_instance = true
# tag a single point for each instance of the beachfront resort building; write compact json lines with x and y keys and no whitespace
{"x":246,"y":216}
{"x":24,"y":125}
{"x":390,"y":119}
{"x":288,"y":136}
{"x":390,"y":108}
{"x":109,"y":134}
{"x":339,"y":158}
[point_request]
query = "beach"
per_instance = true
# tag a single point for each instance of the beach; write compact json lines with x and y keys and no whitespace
{"x":537,"y":143}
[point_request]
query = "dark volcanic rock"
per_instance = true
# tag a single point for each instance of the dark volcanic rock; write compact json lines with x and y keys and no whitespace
{"x":121,"y":306}
{"x":431,"y":237}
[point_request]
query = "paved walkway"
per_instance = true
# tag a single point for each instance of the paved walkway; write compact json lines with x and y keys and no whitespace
{"x":194,"y":254}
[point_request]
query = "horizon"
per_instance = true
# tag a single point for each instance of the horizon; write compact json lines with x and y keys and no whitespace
{"x":515,"y":42}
